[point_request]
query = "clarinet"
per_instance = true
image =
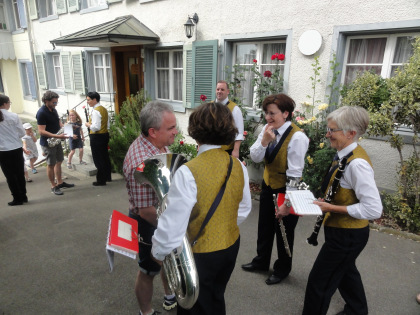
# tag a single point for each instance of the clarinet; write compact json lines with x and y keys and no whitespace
{"x":87,"y":118}
{"x":313,"y":239}
{"x":282,"y":229}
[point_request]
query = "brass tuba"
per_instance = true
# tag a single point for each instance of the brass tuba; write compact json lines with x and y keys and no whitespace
{"x":179,"y":267}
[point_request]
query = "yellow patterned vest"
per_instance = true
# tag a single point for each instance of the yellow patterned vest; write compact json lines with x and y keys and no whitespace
{"x":209,"y":170}
{"x":104,"y":120}
{"x":346,"y":197}
{"x":275,"y":172}
{"x":231,"y":105}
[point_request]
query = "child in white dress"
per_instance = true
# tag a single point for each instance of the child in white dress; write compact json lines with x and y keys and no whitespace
{"x":30,"y":151}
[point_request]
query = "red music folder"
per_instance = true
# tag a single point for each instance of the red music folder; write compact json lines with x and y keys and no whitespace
{"x":123,"y":233}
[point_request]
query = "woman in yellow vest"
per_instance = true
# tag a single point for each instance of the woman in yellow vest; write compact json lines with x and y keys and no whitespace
{"x":346,"y":225}
{"x":282,"y":146}
{"x":192,"y":192}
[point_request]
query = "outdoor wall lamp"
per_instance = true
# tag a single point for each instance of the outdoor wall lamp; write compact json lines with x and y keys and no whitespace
{"x":189,"y":25}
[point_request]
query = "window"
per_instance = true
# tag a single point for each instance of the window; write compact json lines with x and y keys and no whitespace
{"x":57,"y":72}
{"x":16,"y":14}
{"x":92,"y":5}
{"x":245,"y":53}
{"x":382,"y":54}
{"x":169,"y":75}
{"x":27,"y":79}
{"x":3,"y":22}
{"x":102,"y":72}
{"x":47,"y":8}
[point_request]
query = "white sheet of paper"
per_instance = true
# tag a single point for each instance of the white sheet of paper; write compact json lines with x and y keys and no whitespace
{"x":68,"y":130}
{"x":124,"y":230}
{"x":302,"y":202}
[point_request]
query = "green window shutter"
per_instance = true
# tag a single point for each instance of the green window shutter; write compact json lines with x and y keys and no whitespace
{"x":73,"y":5}
{"x":67,"y":75}
{"x":33,"y":10}
{"x":187,"y":80}
{"x":40,"y":71}
{"x":61,"y":6}
{"x":78,"y":75}
{"x":31,"y":79}
{"x":204,"y":68}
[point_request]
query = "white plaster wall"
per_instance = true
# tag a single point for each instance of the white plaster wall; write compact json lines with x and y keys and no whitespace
{"x":219,"y":19}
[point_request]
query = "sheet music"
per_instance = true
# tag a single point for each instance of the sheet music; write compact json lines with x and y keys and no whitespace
{"x":302,"y":202}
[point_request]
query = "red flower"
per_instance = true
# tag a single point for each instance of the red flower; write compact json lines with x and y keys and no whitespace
{"x":109,"y":148}
{"x":274,"y":56}
{"x":245,"y":133}
{"x":181,"y":142}
{"x":280,"y":57}
{"x":83,"y":106}
{"x":267,"y":74}
{"x":254,"y":60}
{"x":203,"y":97}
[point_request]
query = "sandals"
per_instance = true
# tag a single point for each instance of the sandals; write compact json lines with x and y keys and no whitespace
{"x":69,"y":166}
{"x":82,"y":162}
{"x":28,"y":180}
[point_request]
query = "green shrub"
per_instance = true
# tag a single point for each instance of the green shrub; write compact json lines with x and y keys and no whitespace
{"x":181,"y":147}
{"x":125,"y":129}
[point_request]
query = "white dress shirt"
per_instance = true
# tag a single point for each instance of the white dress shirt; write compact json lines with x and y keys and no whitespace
{"x":239,"y":120}
{"x":296,"y":150}
{"x":96,"y":119}
{"x":359,"y":176}
{"x":11,"y":131}
{"x":182,"y":197}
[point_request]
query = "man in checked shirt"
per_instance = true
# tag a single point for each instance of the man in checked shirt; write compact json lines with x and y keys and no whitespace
{"x":158,"y":131}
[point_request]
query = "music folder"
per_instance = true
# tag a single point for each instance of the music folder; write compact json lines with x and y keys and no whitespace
{"x":122,"y":237}
{"x":303,"y":202}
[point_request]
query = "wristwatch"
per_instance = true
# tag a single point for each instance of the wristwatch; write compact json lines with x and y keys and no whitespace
{"x":287,"y":203}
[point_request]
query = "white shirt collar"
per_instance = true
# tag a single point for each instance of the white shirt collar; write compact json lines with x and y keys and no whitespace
{"x":283,"y":128}
{"x":206,"y":147}
{"x":347,"y":150}
{"x":224,"y":102}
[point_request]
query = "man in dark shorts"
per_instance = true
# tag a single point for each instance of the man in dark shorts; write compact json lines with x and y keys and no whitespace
{"x":48,"y":125}
{"x":158,"y":127}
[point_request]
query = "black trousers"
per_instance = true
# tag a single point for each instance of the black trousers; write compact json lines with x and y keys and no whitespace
{"x":214,"y":271}
{"x":11,"y":163}
{"x":268,"y":226}
{"x":335,"y":268}
{"x":99,"y":146}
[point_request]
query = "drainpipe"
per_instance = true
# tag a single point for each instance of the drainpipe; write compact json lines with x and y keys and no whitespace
{"x":29,"y":30}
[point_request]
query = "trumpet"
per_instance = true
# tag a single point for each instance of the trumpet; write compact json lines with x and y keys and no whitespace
{"x":179,"y":266}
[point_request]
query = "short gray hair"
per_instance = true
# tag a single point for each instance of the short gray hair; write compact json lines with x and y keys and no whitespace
{"x":351,"y":118}
{"x":152,"y":114}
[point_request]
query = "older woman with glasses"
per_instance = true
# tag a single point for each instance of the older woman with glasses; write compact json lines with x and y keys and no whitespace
{"x":11,"y":153}
{"x":346,"y":225}
{"x":282,"y":145}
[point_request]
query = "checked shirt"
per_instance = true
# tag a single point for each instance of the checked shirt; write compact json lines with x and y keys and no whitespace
{"x":139,"y":196}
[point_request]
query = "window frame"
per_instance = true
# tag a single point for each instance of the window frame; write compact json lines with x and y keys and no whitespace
{"x":259,"y":56}
{"x":106,"y":70}
{"x":171,"y":69}
{"x":86,"y":8}
{"x":42,"y":10}
{"x":27,"y":79}
{"x":6,"y":22}
{"x":88,"y":69}
{"x":388,"y":56}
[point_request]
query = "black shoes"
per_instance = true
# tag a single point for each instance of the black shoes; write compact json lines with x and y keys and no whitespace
{"x":65,"y":185}
{"x":273,"y":279}
{"x":15,"y":203}
{"x":98,"y":184}
{"x":251,"y":267}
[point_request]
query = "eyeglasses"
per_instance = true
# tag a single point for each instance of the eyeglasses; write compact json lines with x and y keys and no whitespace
{"x":55,"y":103}
{"x":329,"y":130}
{"x":271,"y":114}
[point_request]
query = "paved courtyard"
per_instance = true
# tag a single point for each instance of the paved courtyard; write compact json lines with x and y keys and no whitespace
{"x":53,"y":261}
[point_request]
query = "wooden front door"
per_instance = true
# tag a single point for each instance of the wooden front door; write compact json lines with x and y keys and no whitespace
{"x":127,"y":72}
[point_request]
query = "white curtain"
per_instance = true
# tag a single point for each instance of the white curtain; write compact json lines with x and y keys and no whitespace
{"x":162,"y":71}
{"x":177,"y":74}
{"x":363,"y":54}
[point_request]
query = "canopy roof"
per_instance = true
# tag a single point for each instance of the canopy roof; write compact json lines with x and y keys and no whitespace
{"x":123,"y":31}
